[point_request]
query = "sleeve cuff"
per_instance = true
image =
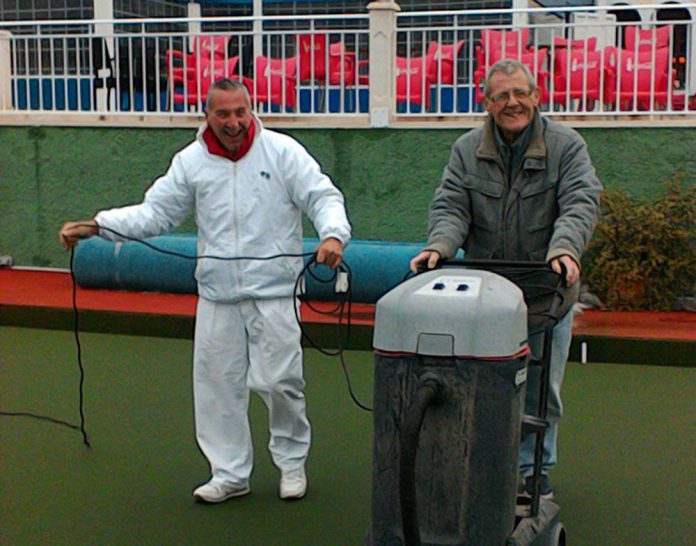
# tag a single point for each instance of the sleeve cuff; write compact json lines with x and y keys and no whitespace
{"x":444,"y":248}
{"x":554,"y":253}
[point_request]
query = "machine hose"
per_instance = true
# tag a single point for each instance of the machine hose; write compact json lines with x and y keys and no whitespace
{"x":426,"y":392}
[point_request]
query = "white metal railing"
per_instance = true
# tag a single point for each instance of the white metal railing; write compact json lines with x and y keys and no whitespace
{"x":80,"y":67}
{"x":585,"y":62}
{"x":384,"y":68}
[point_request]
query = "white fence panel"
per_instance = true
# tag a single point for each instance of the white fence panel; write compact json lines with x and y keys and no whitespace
{"x":590,"y":64}
{"x":585,"y":63}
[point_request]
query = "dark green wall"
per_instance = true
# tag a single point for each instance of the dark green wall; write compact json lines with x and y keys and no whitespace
{"x":50,"y":174}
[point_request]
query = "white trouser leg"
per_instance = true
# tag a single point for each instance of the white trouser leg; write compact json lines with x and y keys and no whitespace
{"x":221,"y":396}
{"x":275,"y":372}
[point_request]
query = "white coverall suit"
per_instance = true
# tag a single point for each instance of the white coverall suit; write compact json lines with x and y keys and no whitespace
{"x":246,"y":333}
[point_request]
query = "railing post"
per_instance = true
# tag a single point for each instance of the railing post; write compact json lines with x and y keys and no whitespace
{"x":193,"y":11}
{"x":5,"y":71}
{"x":690,"y":50}
{"x":258,"y":32}
{"x":382,"y":55}
{"x":104,"y":10}
{"x":520,"y":19}
{"x":545,"y":25}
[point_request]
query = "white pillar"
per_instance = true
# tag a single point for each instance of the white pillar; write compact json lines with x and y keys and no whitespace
{"x":258,"y":29}
{"x":5,"y":71}
{"x":104,"y":10}
{"x":382,"y":61}
{"x":691,"y":54}
{"x":520,"y":19}
{"x":193,"y":11}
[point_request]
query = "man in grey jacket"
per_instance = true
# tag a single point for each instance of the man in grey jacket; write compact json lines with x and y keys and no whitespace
{"x":521,"y":187}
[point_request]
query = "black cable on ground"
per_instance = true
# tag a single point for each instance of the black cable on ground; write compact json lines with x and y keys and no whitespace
{"x":81,"y":426}
{"x":40,"y":417}
{"x":344,"y":301}
{"x":340,"y":307}
{"x":76,"y":331}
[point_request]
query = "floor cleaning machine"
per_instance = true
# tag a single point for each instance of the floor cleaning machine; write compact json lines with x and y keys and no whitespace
{"x":451,"y":364}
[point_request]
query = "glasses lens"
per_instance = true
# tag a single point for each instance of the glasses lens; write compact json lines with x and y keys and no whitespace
{"x":517,"y":93}
{"x":521,"y":93}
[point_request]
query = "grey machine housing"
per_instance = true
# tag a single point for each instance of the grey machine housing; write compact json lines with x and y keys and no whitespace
{"x":465,"y":329}
{"x":453,"y":313}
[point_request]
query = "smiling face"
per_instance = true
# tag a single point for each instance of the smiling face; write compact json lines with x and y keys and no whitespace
{"x":511,"y":102}
{"x":228,"y":114}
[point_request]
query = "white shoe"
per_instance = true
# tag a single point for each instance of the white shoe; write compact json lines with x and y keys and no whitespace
{"x":293,"y":483}
{"x":214,"y":491}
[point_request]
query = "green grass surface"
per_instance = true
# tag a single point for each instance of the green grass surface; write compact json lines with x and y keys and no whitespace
{"x":625,"y":475}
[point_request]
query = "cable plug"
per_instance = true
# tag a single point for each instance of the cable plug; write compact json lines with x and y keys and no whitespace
{"x":341,"y":286}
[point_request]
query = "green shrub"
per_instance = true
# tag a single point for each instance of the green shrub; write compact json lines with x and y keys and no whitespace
{"x":643,"y":254}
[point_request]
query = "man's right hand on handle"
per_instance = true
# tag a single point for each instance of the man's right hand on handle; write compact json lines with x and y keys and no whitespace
{"x":72,"y":232}
{"x":429,"y":257}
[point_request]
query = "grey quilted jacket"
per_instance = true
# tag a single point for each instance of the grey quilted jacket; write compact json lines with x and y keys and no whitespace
{"x":548,"y":209}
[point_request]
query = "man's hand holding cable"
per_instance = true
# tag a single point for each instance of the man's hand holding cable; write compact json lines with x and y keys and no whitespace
{"x":330,"y":252}
{"x":71,"y":232}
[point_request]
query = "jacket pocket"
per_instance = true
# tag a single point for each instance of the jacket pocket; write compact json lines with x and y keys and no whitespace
{"x":486,"y":205}
{"x":483,"y":186}
{"x":538,"y":212}
{"x":485,"y":196}
{"x":535,"y":187}
{"x":537,"y":237}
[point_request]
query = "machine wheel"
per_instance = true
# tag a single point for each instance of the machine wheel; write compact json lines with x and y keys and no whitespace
{"x":557,"y":535}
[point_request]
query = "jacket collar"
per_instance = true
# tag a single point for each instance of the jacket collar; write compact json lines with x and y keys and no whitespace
{"x":536,"y":148}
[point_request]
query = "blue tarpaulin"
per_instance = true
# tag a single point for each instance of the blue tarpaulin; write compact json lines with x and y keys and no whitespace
{"x":376,"y":266}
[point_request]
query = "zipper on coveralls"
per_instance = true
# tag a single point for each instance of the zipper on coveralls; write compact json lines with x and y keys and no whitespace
{"x":235,"y":225}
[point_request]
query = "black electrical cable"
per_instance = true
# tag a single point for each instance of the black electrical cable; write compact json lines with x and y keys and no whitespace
{"x":350,"y":386}
{"x":76,"y":331}
{"x":81,"y":426}
{"x":203,"y":256}
{"x":40,"y":417}
{"x":340,"y":307}
{"x":296,"y":292}
{"x":305,"y":270}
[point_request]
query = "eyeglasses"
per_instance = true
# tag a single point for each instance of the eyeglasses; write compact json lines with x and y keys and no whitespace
{"x":519,"y":94}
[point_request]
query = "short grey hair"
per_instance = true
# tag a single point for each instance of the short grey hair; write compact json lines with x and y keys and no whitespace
{"x":509,"y":67}
{"x":226,"y":84}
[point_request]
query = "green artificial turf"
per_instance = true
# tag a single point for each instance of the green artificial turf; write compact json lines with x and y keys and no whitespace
{"x":625,"y":475}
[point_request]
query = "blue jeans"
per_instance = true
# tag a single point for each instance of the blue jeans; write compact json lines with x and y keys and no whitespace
{"x":559,"y":355}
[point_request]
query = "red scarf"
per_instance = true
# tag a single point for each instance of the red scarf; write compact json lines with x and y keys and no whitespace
{"x":215,"y":147}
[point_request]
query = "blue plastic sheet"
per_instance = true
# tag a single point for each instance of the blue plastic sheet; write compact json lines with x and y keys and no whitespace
{"x":376,"y":266}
